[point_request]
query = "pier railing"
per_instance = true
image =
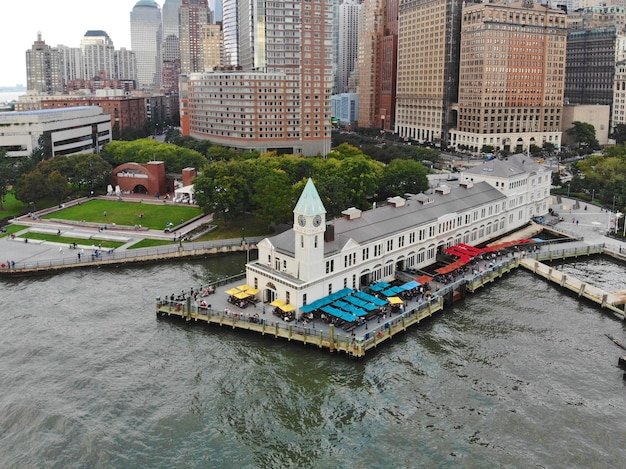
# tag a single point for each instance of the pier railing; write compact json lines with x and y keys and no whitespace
{"x":315,"y":332}
{"x":105,"y":256}
{"x":564,"y":253}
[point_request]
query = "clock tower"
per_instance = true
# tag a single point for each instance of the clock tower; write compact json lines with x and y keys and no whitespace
{"x":309,"y":225}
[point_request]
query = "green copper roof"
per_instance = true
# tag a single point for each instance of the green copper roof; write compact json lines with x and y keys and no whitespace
{"x":309,"y":202}
{"x":147,"y":3}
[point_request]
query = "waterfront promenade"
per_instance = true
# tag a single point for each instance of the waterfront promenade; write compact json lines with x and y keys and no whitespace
{"x":590,"y":225}
{"x":37,"y":256}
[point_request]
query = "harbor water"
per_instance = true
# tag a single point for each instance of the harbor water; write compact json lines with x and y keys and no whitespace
{"x":517,"y":375}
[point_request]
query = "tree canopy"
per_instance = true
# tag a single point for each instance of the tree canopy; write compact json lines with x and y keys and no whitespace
{"x":269,"y":185}
{"x":584,"y":135}
{"x":146,"y":149}
{"x":54,"y":178}
{"x":7,"y":175}
{"x":604,"y":176}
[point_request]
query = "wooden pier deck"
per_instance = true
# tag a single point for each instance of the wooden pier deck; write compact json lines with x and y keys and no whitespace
{"x":318,"y":334}
{"x":366,"y":337}
{"x":606,"y":300}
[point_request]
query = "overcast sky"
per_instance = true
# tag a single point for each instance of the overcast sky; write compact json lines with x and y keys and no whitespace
{"x":60,"y":22}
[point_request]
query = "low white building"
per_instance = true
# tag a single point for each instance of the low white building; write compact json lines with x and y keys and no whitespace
{"x":70,"y":130}
{"x":318,"y":257}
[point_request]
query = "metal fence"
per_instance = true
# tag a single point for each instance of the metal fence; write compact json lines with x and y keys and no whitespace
{"x":88,"y":256}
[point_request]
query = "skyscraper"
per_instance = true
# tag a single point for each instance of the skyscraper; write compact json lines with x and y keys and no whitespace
{"x":278,"y":97}
{"x":512,"y":75}
{"x":171,"y":46}
{"x":193,"y":15}
{"x":43,"y":68}
{"x":428,"y":57}
{"x":213,"y":42}
{"x":348,"y":42}
{"x":72,"y":60}
{"x":98,"y":55}
{"x":146,"y":36}
{"x":377,"y":53}
{"x":230,"y":32}
{"x":126,"y":65}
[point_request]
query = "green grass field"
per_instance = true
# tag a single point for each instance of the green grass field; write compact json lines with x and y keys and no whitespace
{"x":11,"y":206}
{"x":69,"y":240}
{"x":153,"y":216}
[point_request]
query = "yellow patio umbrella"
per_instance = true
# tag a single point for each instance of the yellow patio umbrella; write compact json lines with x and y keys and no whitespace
{"x":277,"y":302}
{"x":287,"y":307}
{"x":241,"y":295}
{"x":233,"y":291}
{"x":394,"y":300}
{"x":252,"y":291}
{"x":244,"y":287}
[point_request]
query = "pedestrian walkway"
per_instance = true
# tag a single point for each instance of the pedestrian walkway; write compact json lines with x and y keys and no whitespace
{"x":22,"y":253}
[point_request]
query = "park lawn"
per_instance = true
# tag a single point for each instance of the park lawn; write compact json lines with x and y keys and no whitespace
{"x":11,"y":228}
{"x":69,"y":240}
{"x":150,"y":243}
{"x":241,"y":227}
{"x":11,"y":206}
{"x":155,"y":216}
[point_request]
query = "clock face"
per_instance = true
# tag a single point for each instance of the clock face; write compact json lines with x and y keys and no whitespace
{"x":317,"y":221}
{"x":301,"y":220}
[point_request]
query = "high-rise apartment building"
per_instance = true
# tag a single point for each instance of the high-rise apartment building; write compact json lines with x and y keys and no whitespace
{"x":98,"y":55}
{"x":146,"y":36}
{"x":348,"y":43}
{"x":388,"y":66}
{"x":170,"y":49}
{"x":512,"y":75}
{"x":230,"y":33}
{"x":44,"y":69}
{"x":213,"y":45}
{"x":125,"y":65}
{"x":597,"y":17}
{"x":618,"y":111}
{"x":72,"y":60}
{"x":279,"y":95}
{"x":428,"y":61}
{"x":370,"y":27}
{"x":592,"y":55}
{"x":193,"y":15}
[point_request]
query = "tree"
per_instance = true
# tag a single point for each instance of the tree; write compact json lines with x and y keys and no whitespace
{"x":534,"y":149}
{"x":273,"y":195}
{"x":549,"y":148}
{"x":57,"y":187}
{"x":361,"y":177}
{"x":402,"y":176}
{"x":619,"y":134}
{"x":90,"y":171}
{"x":144,"y":150}
{"x":488,"y":149}
{"x":225,"y":189}
{"x":29,"y":188}
{"x":584,"y":134}
{"x":7,"y":175}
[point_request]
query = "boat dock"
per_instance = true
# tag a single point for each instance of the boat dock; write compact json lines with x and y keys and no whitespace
{"x":368,"y":336}
{"x":316,"y":333}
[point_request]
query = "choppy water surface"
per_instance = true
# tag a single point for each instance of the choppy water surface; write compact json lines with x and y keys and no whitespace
{"x":518,"y":375}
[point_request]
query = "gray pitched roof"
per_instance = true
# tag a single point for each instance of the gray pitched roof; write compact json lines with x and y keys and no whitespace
{"x":386,"y":220}
{"x":514,"y":165}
